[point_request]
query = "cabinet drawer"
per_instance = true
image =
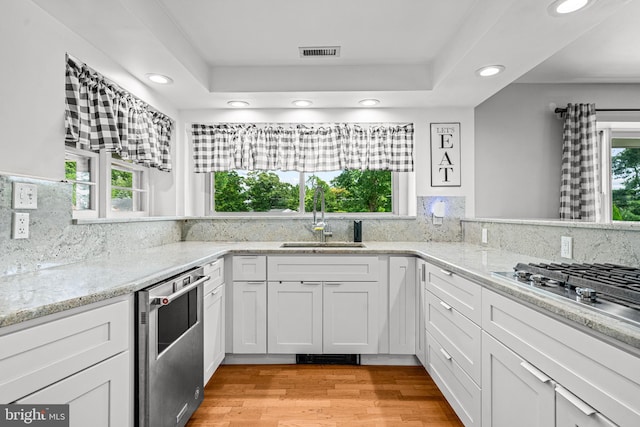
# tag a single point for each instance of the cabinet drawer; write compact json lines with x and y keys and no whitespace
{"x":461,"y":392}
{"x":459,"y":336}
{"x":34,"y":358}
{"x":324,"y":268}
{"x":215,"y":271}
{"x":249,"y":267}
{"x":460,"y":293}
{"x":600,"y":374}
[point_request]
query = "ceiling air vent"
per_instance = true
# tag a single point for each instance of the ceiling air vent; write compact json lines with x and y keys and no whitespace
{"x":319,"y":51}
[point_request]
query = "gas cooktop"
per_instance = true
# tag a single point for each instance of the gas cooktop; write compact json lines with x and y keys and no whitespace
{"x":609,"y":288}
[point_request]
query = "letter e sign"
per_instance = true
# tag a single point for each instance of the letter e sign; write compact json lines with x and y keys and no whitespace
{"x":445,"y":154}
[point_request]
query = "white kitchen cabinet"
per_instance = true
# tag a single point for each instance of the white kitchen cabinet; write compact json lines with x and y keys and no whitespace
{"x":514,"y":392}
{"x":295,"y":317}
{"x":604,"y":376}
{"x":402,"y":305}
{"x":214,"y":318}
{"x":98,"y":396}
{"x":249,"y":267}
{"x":462,"y":393}
{"x":36,"y":357}
{"x":250,"y":316}
{"x":459,"y":292}
{"x":347,"y":268}
{"x":421,"y":331}
{"x":350,"y":317}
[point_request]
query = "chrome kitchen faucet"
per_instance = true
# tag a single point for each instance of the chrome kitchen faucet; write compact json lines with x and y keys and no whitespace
{"x":321,"y":226}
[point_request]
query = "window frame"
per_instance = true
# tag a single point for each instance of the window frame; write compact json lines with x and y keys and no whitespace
{"x":101,"y":165}
{"x":93,"y":159}
{"x":606,"y":132}
{"x":209,"y":195}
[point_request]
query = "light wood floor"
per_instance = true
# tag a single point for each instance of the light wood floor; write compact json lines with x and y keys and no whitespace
{"x":322,"y":396}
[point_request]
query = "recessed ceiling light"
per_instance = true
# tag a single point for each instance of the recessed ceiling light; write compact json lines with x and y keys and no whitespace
{"x":160,"y":79}
{"x":238,"y":103}
{"x":302,"y":103}
{"x":490,"y":70}
{"x":562,"y":7}
{"x":369,"y":102}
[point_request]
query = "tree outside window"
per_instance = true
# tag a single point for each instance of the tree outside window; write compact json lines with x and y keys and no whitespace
{"x":625,"y":169}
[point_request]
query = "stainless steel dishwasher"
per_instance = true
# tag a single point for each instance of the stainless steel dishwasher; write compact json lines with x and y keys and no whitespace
{"x":170,"y":350}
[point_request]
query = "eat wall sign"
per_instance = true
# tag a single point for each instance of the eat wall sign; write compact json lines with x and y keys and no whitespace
{"x":445,"y":154}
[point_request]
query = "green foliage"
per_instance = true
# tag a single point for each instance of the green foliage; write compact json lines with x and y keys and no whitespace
{"x":70,"y":168}
{"x":351,"y":191}
{"x":120,"y":178}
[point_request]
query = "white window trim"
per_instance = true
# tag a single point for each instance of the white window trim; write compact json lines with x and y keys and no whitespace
{"x":612,"y":130}
{"x":107,"y":162}
{"x":94,"y":182}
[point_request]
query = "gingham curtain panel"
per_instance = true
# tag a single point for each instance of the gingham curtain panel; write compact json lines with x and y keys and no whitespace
{"x":100,"y":115}
{"x":302,"y":148}
{"x":580,"y":171}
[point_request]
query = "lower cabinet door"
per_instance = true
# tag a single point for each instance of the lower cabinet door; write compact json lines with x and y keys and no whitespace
{"x":294,"y":317}
{"x":250,"y":317}
{"x":514,"y":392}
{"x":421,"y":331}
{"x":98,"y":396}
{"x":214,"y":327}
{"x":573,"y":412}
{"x":350,"y":317}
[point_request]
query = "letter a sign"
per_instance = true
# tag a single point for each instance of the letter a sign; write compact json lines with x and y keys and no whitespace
{"x":445,"y":154}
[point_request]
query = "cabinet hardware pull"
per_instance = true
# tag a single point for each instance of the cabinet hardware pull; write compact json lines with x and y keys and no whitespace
{"x":216,"y":290}
{"x":333,"y":283}
{"x":575,"y":401}
{"x":448,"y":273}
{"x":423,"y":267}
{"x":445,"y":354}
{"x":445,"y":305}
{"x":311,"y":283}
{"x":535,"y":372}
{"x":255,"y":283}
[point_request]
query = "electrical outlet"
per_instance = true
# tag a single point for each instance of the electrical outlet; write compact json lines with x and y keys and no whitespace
{"x":25,"y":196}
{"x":566,"y":247}
{"x":485,"y":237}
{"x":20,"y":225}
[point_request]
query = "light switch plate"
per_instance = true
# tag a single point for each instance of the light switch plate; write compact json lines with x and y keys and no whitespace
{"x":485,"y":237}
{"x":566,"y":247}
{"x":25,"y":196}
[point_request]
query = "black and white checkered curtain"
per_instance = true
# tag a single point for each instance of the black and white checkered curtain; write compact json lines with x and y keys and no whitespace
{"x":579,"y":194}
{"x":302,"y":148}
{"x":100,"y":115}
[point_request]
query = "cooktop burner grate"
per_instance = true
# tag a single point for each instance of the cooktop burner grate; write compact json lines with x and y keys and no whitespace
{"x":612,"y":282}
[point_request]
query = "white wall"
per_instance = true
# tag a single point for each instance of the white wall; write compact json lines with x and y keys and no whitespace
{"x":33,"y":47}
{"x":519,"y":144}
{"x":421,"y":185}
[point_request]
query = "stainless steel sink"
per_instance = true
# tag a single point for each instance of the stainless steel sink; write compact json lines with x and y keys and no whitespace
{"x":322,"y":245}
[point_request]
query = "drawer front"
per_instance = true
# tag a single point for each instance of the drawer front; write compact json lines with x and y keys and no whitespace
{"x":249,"y":267}
{"x":460,"y":293}
{"x":603,"y":376}
{"x":34,"y":358}
{"x":461,"y":392}
{"x":460,"y":337}
{"x":324,"y":268}
{"x":215,"y":271}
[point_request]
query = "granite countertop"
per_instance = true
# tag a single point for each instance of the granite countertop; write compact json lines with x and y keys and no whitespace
{"x":31,"y":295}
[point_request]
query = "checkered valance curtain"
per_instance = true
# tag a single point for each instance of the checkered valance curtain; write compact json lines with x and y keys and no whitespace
{"x":100,"y":115}
{"x":580,"y":186}
{"x":302,"y":148}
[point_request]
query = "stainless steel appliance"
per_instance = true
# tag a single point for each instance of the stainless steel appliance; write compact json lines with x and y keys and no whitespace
{"x":170,"y":350}
{"x":609,"y":288}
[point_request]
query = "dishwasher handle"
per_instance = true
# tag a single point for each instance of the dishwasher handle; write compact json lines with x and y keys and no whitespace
{"x":166,"y":300}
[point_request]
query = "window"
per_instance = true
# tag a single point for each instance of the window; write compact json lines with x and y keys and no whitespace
{"x":81,"y":170}
{"x":276,"y":191}
{"x":105,"y":185}
{"x":621,"y":171}
{"x":128,"y":193}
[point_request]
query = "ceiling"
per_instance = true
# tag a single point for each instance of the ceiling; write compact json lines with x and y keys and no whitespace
{"x":406,"y":53}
